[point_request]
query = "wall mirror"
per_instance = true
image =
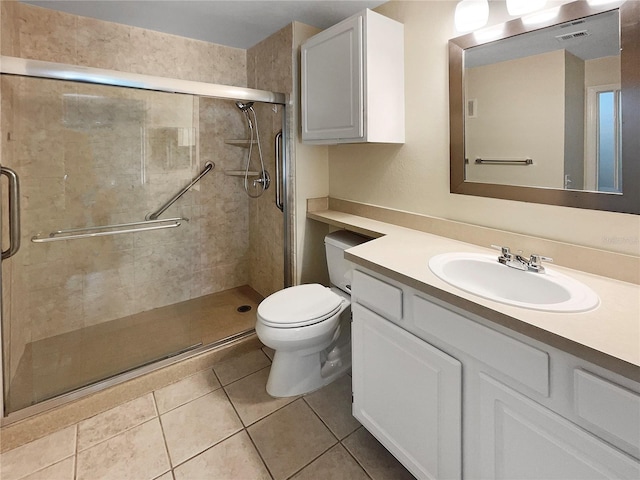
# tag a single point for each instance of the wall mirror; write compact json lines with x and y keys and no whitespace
{"x":546,"y":108}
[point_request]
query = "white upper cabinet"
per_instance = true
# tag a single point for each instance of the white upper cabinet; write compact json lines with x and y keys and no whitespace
{"x":353,"y":82}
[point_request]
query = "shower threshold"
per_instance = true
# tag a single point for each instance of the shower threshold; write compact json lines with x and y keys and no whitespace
{"x":115,"y":351}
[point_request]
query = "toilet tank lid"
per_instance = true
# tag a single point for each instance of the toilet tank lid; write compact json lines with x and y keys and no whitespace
{"x":345,"y":239}
{"x":299,"y":305}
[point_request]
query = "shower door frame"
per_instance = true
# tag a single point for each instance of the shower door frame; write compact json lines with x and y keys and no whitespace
{"x":59,"y":71}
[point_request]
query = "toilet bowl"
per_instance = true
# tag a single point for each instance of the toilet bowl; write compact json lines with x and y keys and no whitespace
{"x":309,"y":326}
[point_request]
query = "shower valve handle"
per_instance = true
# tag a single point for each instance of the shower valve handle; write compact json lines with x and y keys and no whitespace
{"x":264,"y":180}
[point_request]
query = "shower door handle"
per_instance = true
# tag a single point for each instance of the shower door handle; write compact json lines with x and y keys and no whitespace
{"x":14,"y":212}
{"x":279,"y":171}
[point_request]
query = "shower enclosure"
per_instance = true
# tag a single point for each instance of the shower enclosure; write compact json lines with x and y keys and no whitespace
{"x":136,"y":236}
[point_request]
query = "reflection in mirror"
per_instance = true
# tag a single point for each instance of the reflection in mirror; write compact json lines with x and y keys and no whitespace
{"x":540,"y":114}
{"x":533,"y":86}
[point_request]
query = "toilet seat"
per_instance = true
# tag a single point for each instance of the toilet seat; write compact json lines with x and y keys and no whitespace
{"x":299,"y":306}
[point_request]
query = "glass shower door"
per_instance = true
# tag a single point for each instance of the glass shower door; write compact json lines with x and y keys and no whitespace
{"x":96,"y":159}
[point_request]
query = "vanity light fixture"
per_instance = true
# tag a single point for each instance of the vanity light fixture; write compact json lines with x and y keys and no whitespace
{"x":521,"y":7}
{"x":601,"y":3}
{"x":471,"y":14}
{"x":541,"y":17}
{"x":488,"y":34}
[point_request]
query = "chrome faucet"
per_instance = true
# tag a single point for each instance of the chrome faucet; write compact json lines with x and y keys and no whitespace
{"x":517,"y":261}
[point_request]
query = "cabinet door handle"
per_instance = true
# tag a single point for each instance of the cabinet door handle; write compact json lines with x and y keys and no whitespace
{"x":14,"y":212}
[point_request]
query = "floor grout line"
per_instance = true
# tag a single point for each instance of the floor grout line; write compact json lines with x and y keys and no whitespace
{"x":75,"y":453}
{"x":313,"y":460}
{"x":242,"y":377}
{"x":190,"y":400}
{"x":164,"y":437}
{"x":260,"y":454}
{"x":353,"y":456}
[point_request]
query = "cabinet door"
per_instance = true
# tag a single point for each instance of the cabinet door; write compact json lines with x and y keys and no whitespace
{"x":408,"y":395}
{"x":332,"y":83}
{"x":521,"y":439}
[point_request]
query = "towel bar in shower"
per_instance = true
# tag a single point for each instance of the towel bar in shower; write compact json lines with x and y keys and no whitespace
{"x":506,"y":161}
{"x":89,"y":232}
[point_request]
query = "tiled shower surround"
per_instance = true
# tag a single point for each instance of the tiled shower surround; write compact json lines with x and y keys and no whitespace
{"x":95,"y":155}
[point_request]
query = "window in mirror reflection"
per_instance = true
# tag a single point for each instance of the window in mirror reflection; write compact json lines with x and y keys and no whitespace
{"x":603,"y":162}
{"x":608,"y":161}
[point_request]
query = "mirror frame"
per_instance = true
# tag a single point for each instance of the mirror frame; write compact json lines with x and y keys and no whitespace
{"x":629,"y":200}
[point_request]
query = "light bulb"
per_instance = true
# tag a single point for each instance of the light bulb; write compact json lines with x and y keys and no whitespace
{"x":471,"y":14}
{"x":541,"y":17}
{"x":489,"y":34}
{"x":521,"y":7}
{"x":601,"y":3}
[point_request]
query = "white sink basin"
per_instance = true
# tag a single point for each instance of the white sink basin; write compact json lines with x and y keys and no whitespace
{"x":482,"y":275}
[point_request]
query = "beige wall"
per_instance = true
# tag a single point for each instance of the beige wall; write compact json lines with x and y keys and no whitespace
{"x":508,"y":95}
{"x":602,"y":71}
{"x":574,"y":122}
{"x":269,"y":67}
{"x":311,"y":180}
{"x":43,"y":34}
{"x":415,"y":176}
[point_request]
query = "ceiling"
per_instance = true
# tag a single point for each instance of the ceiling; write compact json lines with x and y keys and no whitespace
{"x":588,"y":38}
{"x":236,"y":23}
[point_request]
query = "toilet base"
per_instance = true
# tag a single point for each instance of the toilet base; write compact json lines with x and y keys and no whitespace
{"x":292,"y":374}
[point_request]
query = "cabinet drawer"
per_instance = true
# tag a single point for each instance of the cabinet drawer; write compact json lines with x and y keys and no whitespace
{"x":523,"y":363}
{"x":620,"y":418}
{"x":379,"y":296}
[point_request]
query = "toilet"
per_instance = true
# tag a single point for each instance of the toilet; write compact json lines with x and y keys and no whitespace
{"x":309,"y":326}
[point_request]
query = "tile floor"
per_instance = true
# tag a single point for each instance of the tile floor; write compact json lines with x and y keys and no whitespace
{"x":217,"y":424}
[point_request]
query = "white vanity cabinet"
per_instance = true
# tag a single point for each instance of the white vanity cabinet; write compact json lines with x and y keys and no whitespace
{"x":519,"y":438}
{"x":528,"y":410}
{"x":408,"y":395}
{"x":353,"y":82}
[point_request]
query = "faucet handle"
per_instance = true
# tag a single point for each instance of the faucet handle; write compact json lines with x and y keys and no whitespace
{"x":535,"y":262}
{"x":536,"y":259}
{"x":506,"y":252}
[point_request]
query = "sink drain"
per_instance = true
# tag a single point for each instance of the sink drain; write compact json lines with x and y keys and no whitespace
{"x":243,"y":308}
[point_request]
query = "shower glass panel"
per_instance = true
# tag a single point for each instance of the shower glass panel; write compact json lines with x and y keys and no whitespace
{"x":80,"y":311}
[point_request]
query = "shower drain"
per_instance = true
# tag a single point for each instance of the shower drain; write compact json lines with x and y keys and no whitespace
{"x":243,"y":308}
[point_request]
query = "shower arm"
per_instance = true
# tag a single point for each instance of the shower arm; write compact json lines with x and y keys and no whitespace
{"x":207,"y":168}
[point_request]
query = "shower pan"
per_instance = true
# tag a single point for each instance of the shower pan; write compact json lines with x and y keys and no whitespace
{"x":129,"y":245}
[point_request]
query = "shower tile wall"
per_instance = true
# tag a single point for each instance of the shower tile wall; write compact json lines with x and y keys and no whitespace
{"x":269,"y":67}
{"x":42,"y":34}
{"x":76,"y":284}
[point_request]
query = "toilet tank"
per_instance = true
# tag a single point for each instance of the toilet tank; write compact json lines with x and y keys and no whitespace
{"x":341,"y":270}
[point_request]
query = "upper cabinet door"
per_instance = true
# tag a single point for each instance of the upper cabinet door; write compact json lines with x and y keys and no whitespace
{"x":353,"y":82}
{"x":332,"y":88}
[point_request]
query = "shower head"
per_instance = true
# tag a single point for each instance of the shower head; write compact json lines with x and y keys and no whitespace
{"x":244,"y":106}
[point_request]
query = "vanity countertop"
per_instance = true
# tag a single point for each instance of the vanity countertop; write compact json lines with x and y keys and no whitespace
{"x":608,"y":336}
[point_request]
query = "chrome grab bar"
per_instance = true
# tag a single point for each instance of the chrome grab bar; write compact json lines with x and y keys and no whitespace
{"x":279,"y":169}
{"x":207,"y":168}
{"x":506,"y":161}
{"x":75,"y":233}
{"x":14,"y":212}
